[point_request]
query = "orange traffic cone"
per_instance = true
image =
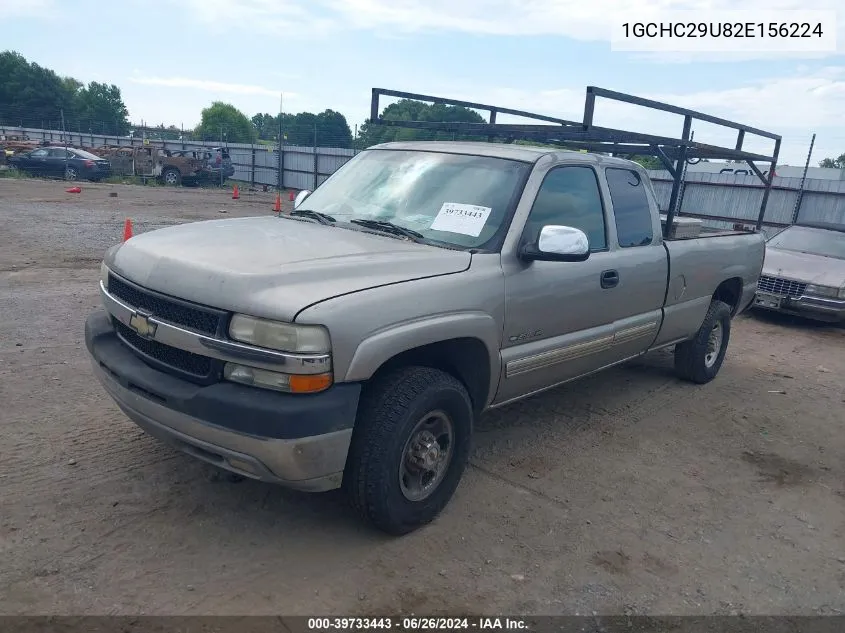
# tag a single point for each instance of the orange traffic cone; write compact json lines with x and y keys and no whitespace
{"x":235,"y":193}
{"x":291,"y":196}
{"x":127,"y":229}
{"x":74,"y":190}
{"x":277,"y":208}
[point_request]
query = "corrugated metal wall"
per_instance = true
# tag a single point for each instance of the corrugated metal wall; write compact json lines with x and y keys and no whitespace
{"x":731,"y":198}
{"x":720,"y":199}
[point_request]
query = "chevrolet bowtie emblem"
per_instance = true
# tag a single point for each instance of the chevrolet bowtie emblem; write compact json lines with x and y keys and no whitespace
{"x":142,"y":324}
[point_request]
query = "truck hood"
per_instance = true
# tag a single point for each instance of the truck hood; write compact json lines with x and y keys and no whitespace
{"x":271,"y":267}
{"x":806,"y":267}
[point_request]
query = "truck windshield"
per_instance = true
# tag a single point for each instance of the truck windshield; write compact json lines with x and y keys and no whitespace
{"x":805,"y":239}
{"x":454,"y":199}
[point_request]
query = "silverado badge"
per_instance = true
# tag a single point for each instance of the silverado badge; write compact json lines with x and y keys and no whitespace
{"x":142,"y":324}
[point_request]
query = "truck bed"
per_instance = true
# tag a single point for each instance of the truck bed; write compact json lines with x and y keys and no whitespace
{"x":700,"y":266}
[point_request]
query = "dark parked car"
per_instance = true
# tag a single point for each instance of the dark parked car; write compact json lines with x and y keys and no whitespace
{"x":70,"y":163}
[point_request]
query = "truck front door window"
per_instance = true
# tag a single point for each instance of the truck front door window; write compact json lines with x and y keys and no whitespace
{"x":569,"y":196}
{"x":630,"y":207}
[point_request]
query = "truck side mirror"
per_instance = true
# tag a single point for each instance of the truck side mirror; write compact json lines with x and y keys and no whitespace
{"x":300,"y":197}
{"x":558,"y":244}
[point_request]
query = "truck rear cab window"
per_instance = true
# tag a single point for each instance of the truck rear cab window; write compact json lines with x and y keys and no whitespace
{"x":630,"y":207}
{"x":569,"y":196}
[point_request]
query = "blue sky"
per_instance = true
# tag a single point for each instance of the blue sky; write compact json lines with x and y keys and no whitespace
{"x":171,"y":58}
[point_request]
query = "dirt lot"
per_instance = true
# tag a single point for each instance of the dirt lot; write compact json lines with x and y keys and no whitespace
{"x":627,"y":492}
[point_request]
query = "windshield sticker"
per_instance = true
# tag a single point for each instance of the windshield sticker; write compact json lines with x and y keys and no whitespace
{"x":466,"y":219}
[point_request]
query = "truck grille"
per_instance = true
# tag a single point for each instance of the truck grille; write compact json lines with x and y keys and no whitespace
{"x":194,"y":367}
{"x":199,"y":368}
{"x":199,"y":319}
{"x":781,"y":286}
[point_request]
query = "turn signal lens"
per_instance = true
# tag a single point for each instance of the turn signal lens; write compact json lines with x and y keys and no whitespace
{"x":311,"y":383}
{"x":278,"y":381}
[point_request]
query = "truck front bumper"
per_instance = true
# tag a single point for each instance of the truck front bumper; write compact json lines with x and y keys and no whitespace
{"x":299,"y":441}
{"x":819,"y":308}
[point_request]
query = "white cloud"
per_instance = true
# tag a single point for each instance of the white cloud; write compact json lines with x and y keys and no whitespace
{"x":284,"y":19}
{"x":793,"y":106}
{"x":589,"y":20}
{"x":40,"y":9}
{"x":209,"y":86}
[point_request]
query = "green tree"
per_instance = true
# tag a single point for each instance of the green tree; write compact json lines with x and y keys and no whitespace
{"x":33,"y":96}
{"x":648,"y":162}
{"x":331,"y":128}
{"x":226,"y":121}
{"x":30,"y":95}
{"x":833,"y":163}
{"x":266,"y":126}
{"x":411,"y":110}
{"x":101,"y":106}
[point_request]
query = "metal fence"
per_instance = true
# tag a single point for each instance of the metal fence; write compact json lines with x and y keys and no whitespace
{"x":294,"y":167}
{"x":723,"y":200}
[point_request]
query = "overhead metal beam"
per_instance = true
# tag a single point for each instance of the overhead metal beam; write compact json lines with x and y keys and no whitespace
{"x":560,"y":134}
{"x":768,"y":189}
{"x":586,"y":135}
{"x":463,"y":104}
{"x":676,"y":178}
{"x":665,"y":107}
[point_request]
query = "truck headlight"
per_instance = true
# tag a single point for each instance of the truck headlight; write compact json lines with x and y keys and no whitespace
{"x":104,"y":275}
{"x":266,"y":379}
{"x":824,"y":291}
{"x":285,"y":337}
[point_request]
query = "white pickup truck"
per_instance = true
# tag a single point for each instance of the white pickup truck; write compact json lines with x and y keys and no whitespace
{"x":354,"y":342}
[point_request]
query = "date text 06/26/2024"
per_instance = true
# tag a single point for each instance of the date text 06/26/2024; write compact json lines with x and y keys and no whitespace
{"x":416,"y":623}
{"x":725,"y":31}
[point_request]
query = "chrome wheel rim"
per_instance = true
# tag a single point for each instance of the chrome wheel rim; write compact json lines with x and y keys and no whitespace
{"x":714,"y":345}
{"x":426,"y":456}
{"x":170,"y":178}
{"x":70,"y":174}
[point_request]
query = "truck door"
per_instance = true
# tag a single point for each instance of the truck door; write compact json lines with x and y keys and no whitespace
{"x":567,"y":319}
{"x":559,"y":320}
{"x":640,"y":263}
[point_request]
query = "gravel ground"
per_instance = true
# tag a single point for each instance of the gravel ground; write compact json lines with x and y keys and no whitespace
{"x":626,"y":492}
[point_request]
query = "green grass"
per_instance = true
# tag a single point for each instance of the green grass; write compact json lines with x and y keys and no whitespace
{"x":14,"y":174}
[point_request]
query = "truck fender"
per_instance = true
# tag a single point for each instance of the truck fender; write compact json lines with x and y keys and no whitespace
{"x":386,"y":343}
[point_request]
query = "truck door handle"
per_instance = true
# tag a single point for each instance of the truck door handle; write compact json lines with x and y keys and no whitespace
{"x":609,"y":279}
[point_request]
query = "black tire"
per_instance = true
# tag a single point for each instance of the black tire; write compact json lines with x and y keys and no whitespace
{"x":390,"y":411}
{"x":171,"y":177}
{"x":71,"y":174}
{"x":694,"y":359}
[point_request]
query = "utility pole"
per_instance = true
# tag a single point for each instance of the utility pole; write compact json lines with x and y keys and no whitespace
{"x":279,"y":176}
{"x":316,"y":157}
{"x":797,"y":209}
{"x":64,"y":136}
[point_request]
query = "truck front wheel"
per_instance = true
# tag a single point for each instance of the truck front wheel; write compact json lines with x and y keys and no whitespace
{"x":171,"y":177}
{"x":409,"y":449}
{"x":699,"y":359}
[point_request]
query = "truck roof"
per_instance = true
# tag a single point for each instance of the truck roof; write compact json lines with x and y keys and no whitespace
{"x":524,"y":153}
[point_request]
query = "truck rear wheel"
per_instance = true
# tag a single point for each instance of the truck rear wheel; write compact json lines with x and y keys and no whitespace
{"x":171,"y":177}
{"x":409,"y":449}
{"x":699,"y":359}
